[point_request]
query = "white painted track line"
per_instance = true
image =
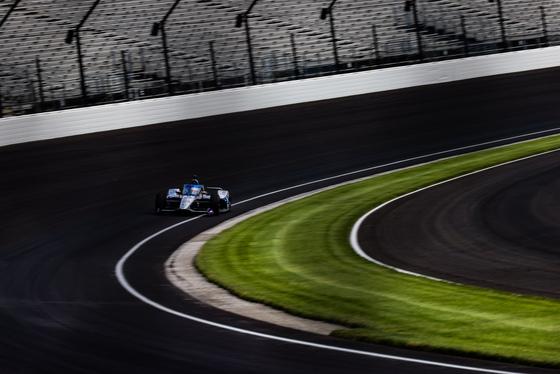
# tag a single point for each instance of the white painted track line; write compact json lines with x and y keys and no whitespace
{"x":356,"y":228}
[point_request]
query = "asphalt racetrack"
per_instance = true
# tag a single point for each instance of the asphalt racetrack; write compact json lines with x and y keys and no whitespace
{"x":72,"y":208}
{"x":497,"y":229}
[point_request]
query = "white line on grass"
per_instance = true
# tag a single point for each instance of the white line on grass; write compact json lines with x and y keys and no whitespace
{"x":356,"y":228}
{"x":119,"y":269}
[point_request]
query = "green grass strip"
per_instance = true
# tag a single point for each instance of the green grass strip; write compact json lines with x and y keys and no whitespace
{"x":298,"y":258}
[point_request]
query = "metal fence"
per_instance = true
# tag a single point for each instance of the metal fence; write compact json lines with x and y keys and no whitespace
{"x":134,"y":74}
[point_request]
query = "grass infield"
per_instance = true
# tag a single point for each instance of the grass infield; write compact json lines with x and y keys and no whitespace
{"x":298,"y":258}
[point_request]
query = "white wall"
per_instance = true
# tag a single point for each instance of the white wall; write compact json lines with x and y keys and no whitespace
{"x":51,"y":125}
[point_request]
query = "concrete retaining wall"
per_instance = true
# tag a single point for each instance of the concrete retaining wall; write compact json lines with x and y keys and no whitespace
{"x":51,"y":125}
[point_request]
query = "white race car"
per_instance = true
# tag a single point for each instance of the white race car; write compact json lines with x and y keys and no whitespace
{"x":194,"y":198}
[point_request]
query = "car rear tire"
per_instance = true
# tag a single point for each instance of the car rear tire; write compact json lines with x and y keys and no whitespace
{"x":215,"y":204}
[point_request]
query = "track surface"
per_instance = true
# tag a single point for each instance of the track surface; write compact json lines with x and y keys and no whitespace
{"x":498,"y":229}
{"x":73,"y":207}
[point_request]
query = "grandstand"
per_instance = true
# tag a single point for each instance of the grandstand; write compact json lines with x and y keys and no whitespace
{"x":207,"y":51}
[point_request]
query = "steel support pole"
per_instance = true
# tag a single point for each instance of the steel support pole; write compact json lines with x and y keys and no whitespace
{"x":81,"y":64}
{"x":125,"y":76}
{"x":80,"y":57}
{"x":244,"y":18}
{"x":250,"y":50}
{"x":155,"y":29}
{"x":170,"y":10}
{"x":376,"y":45}
{"x":328,"y":12}
{"x":502,"y":27}
{"x":166,"y":58}
{"x":7,"y":15}
{"x":40,"y":83}
{"x":335,"y":49}
{"x":545,"y":29}
{"x":418,"y":36}
{"x":214,"y":64}
{"x":294,"y":54}
{"x":76,"y":33}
